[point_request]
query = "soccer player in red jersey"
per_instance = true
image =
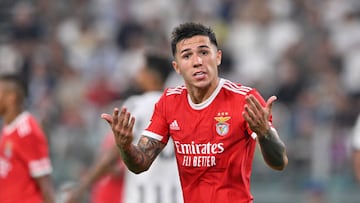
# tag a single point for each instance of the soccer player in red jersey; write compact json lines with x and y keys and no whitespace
{"x":25,"y":167}
{"x":214,"y":124}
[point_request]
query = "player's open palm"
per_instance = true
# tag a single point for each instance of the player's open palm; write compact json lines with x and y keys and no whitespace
{"x":257,"y":116}
{"x":122,"y":126}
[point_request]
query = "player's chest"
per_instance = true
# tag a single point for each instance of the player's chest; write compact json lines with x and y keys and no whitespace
{"x":208,"y":125}
{"x":8,"y":155}
{"x":8,"y":145}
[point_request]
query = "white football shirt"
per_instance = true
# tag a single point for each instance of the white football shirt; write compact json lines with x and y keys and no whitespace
{"x":160,"y":184}
{"x":356,"y":134}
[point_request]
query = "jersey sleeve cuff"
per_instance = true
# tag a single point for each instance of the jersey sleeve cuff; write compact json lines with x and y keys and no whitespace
{"x":40,"y":167}
{"x":152,"y":135}
{"x":253,"y":135}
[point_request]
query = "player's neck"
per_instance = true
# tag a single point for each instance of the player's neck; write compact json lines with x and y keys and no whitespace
{"x":199,"y":95}
{"x":154,"y":87}
{"x":12,"y":114}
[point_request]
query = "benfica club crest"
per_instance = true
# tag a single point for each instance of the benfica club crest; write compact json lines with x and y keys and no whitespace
{"x":8,"y":149}
{"x":222,"y":127}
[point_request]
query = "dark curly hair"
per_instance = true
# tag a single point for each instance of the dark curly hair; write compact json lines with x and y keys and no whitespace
{"x":17,"y":83}
{"x":188,"y":30}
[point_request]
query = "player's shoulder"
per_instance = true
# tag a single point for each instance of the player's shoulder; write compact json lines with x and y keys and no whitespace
{"x":140,"y":98}
{"x":236,"y":88}
{"x":139,"y":101}
{"x":171,"y":91}
{"x":23,"y":124}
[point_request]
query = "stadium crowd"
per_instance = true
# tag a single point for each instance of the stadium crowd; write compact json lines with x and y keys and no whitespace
{"x":79,"y":57}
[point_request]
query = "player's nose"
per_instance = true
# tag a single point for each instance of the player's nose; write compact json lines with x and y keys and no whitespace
{"x":197,"y":61}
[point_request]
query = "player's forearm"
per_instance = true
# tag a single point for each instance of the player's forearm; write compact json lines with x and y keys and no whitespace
{"x":273,"y":150}
{"x":46,"y":187}
{"x":49,"y":198}
{"x":104,"y":164}
{"x":100,"y":167}
{"x":139,"y":158}
{"x":356,"y":160}
{"x":135,"y":159}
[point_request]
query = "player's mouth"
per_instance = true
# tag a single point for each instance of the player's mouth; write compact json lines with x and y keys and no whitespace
{"x":199,"y":75}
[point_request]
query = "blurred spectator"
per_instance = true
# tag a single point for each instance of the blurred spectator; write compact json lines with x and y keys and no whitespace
{"x":257,"y":39}
{"x":130,"y":38}
{"x":10,"y":59}
{"x":26,"y":32}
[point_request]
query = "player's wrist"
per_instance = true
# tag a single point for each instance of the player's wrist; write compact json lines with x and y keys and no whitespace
{"x":267,"y":134}
{"x":264,"y":133}
{"x":124,"y":146}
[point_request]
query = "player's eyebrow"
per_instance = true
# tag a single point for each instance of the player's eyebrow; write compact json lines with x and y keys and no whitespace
{"x":204,"y":46}
{"x":199,"y":47}
{"x":185,"y":50}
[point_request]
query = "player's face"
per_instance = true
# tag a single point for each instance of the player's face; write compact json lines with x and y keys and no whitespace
{"x":143,"y":79}
{"x":3,"y":97}
{"x":197,"y":61}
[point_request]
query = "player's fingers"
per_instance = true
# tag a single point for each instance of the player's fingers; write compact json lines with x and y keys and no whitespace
{"x":115,"y":116}
{"x":108,"y":118}
{"x":250,"y":116}
{"x":126,"y":120}
{"x":131,"y":124}
{"x":246,"y":117}
{"x":121,"y":117}
{"x":250,"y":111}
{"x":255,"y":104}
{"x":270,"y":102}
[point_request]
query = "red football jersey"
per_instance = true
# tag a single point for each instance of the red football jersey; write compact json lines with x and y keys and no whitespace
{"x":23,"y":156}
{"x":213,"y":143}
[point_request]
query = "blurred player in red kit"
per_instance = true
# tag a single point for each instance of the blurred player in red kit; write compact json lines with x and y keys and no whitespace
{"x":25,"y":166}
{"x":214,"y":124}
{"x":104,"y":178}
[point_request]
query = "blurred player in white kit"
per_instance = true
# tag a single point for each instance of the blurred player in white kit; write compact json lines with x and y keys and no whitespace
{"x":161,"y":184}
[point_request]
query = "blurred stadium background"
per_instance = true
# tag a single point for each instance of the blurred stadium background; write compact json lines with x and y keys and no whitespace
{"x":79,"y":57}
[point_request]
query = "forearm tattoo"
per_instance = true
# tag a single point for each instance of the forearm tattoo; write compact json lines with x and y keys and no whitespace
{"x":139,"y":158}
{"x":273,"y":150}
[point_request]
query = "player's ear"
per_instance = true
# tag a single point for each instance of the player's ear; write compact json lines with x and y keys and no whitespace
{"x":218,"y":57}
{"x":175,"y":66}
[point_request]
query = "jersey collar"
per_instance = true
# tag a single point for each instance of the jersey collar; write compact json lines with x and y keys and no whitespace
{"x":12,"y":126}
{"x":209,"y":100}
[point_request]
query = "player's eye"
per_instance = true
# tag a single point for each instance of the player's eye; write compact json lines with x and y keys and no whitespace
{"x":186,"y":56}
{"x":204,"y":52}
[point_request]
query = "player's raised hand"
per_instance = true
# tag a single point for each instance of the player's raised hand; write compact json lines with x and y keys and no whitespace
{"x":256,"y":115}
{"x":122,"y":126}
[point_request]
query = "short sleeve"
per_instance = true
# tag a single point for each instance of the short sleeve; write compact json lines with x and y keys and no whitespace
{"x":33,"y":148}
{"x":158,"y":127}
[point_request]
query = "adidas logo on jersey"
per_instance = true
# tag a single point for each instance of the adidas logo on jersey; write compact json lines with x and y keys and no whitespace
{"x":174,"y":125}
